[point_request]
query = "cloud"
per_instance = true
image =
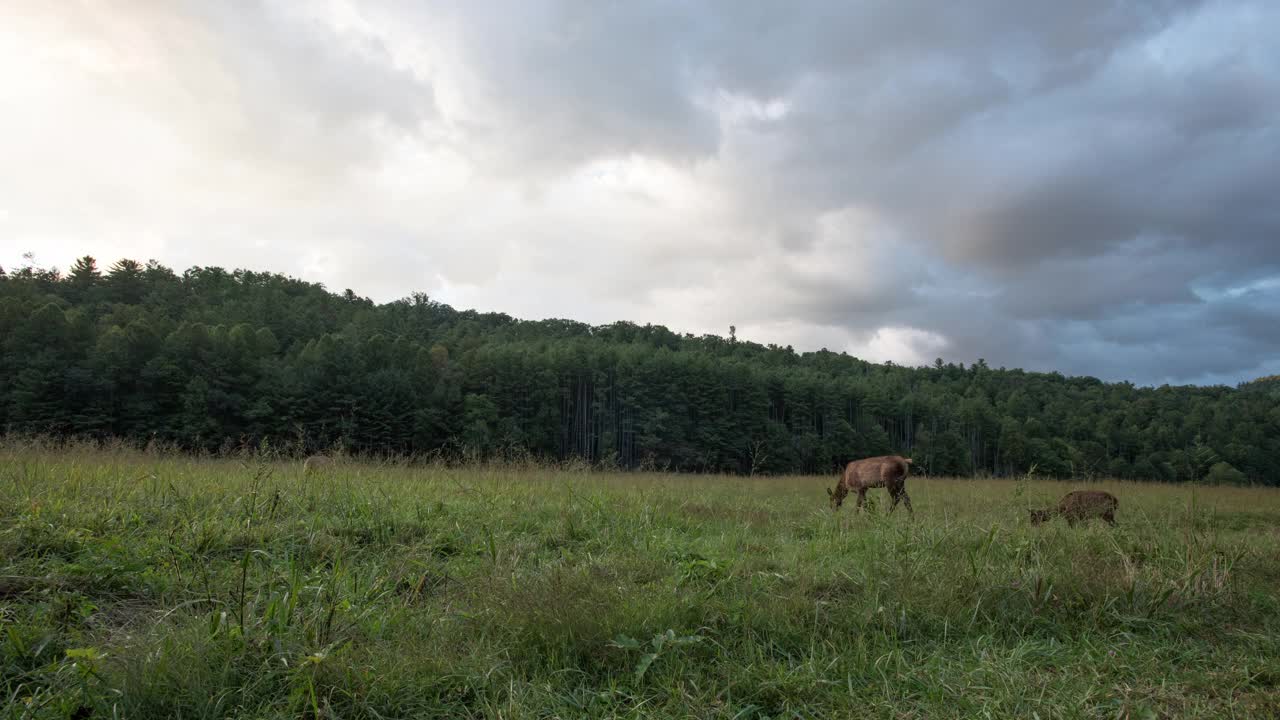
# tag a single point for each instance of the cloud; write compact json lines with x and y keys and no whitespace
{"x":1080,"y":188}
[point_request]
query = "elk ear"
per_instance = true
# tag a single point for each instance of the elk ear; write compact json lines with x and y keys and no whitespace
{"x":830,"y":492}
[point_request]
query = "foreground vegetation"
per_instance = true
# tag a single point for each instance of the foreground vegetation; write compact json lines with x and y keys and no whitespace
{"x":136,"y":585}
{"x":210,"y":358}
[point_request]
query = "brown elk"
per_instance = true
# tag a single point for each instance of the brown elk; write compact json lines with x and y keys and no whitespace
{"x":315,"y":463}
{"x":1080,"y":505}
{"x":886,"y":471}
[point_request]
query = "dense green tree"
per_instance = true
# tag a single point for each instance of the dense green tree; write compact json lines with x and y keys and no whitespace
{"x":210,"y":359}
{"x":83,"y":278}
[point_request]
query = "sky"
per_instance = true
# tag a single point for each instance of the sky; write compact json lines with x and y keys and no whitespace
{"x":1087,"y":187}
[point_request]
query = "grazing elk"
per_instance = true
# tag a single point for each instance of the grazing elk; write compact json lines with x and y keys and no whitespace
{"x":1080,"y":505}
{"x":315,"y":463}
{"x":886,"y":471}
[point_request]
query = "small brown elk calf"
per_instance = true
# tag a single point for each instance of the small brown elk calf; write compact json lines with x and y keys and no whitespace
{"x":886,"y":471}
{"x":1080,"y":505}
{"x":316,"y":462}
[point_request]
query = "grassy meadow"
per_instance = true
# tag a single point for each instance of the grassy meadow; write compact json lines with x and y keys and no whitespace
{"x":138,"y":585}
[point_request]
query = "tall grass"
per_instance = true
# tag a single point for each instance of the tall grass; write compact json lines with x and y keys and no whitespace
{"x":157,"y":585}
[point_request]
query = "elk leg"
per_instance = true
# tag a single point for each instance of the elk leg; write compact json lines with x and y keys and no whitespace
{"x":1110,"y":517}
{"x":907,"y":500}
{"x":862,"y":497}
{"x":896,"y":496}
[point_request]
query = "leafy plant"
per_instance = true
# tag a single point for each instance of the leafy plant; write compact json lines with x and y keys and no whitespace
{"x":661,"y":643}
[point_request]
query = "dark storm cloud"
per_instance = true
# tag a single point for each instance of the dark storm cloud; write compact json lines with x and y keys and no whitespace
{"x":1070,"y":170}
{"x":1143,"y":274}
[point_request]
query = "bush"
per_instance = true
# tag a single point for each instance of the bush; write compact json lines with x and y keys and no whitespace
{"x":1224,"y":473}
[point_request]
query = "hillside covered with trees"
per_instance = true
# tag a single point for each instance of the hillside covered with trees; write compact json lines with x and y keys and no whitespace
{"x":210,"y":359}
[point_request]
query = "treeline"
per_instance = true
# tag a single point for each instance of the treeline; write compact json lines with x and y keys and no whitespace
{"x":210,"y":359}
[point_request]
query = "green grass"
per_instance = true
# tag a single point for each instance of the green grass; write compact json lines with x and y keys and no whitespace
{"x":140,"y":586}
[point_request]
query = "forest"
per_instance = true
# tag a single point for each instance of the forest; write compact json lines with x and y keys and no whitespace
{"x":212,"y":360}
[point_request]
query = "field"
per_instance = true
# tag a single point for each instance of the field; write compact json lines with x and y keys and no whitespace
{"x":138,"y":586}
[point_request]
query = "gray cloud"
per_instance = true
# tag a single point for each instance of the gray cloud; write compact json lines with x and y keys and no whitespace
{"x":306,"y":93}
{"x":1087,"y":188}
{"x":550,"y":85}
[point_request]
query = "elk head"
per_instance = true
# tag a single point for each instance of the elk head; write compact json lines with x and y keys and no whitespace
{"x":836,"y":496}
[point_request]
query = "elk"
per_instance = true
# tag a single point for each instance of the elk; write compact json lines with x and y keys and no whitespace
{"x":886,"y":471}
{"x":1080,"y":505}
{"x":315,"y":463}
